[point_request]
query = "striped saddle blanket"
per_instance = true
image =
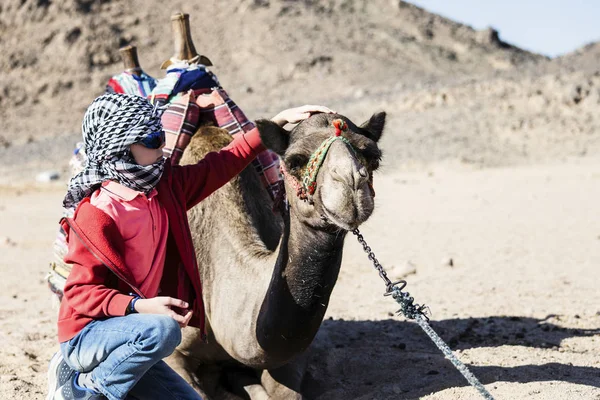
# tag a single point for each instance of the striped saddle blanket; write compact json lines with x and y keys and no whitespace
{"x":194,"y":108}
{"x":59,"y":270}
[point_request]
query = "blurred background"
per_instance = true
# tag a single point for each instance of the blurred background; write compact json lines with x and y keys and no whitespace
{"x":488,"y":84}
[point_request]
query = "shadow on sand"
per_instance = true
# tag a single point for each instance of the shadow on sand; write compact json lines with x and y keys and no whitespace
{"x":396,"y":359}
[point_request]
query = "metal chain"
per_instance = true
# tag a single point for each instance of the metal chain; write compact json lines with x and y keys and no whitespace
{"x":417,"y":312}
{"x":408,"y":308}
{"x":373,"y":259}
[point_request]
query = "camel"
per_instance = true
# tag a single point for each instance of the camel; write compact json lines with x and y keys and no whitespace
{"x":267,"y":277}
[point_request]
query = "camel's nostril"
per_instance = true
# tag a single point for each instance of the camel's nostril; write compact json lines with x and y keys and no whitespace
{"x":335,"y":173}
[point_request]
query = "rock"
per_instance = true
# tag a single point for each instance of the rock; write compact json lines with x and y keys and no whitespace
{"x":72,"y":35}
{"x":47,"y":176}
{"x":448,"y":262}
{"x":4,"y":142}
{"x":402,"y":271}
{"x":5,"y":241}
{"x":489,"y":36}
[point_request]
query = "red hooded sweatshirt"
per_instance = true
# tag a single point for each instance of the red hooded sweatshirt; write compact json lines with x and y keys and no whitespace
{"x":100,"y":284}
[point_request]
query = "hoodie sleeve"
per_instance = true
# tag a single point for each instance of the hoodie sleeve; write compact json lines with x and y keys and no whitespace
{"x":217,"y":168}
{"x":85,"y":289}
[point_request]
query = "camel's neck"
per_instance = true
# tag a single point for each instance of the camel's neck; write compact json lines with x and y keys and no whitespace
{"x":286,"y":270}
{"x":305,"y":272}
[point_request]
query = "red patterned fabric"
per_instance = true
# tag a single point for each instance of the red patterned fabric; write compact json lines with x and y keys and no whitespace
{"x":187,"y":111}
{"x":180,"y":122}
{"x":217,"y":108}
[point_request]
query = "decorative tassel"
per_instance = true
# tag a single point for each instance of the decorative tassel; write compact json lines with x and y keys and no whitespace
{"x":340,"y":126}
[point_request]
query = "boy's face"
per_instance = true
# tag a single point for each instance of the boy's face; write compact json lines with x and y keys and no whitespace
{"x":145,"y":156}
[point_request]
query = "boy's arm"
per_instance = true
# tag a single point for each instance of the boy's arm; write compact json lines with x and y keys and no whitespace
{"x":86,"y":290}
{"x":217,"y":168}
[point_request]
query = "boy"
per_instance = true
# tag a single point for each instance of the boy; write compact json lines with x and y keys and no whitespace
{"x":129,"y":241}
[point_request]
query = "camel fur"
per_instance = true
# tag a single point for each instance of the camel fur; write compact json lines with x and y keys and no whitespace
{"x":267,"y":277}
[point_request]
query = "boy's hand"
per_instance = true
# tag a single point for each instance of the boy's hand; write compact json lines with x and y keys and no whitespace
{"x":174,"y":308}
{"x":187,"y":315}
{"x":295,"y":115}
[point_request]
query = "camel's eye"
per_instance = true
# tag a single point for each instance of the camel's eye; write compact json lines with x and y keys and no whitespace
{"x":371,"y":156}
{"x":296,"y":162}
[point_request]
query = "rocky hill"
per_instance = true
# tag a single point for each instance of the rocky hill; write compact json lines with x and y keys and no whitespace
{"x":453,"y":93}
{"x":57,"y":55}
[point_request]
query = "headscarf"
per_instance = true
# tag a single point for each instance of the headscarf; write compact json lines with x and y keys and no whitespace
{"x":111,"y":124}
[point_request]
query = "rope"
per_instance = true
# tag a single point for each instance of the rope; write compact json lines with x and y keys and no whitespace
{"x":462,"y":368}
{"x":416,"y":312}
{"x":309,"y":181}
{"x":439,"y":342}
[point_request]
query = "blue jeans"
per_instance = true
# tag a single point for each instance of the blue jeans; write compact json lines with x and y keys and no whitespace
{"x":124,"y":355}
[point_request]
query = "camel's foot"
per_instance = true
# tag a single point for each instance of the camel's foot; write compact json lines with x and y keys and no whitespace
{"x":211,"y":381}
{"x":244,"y":383}
{"x":219,"y":382}
{"x":186,"y":367}
{"x":280,"y":383}
{"x":284,"y":382}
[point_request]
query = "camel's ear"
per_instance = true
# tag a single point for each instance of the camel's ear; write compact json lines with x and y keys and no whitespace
{"x":273,"y":136}
{"x":374,"y":126}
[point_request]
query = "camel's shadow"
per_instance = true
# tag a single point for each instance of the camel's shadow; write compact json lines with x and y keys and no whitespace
{"x":396,"y":359}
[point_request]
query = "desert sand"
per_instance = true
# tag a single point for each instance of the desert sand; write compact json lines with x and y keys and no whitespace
{"x":519,"y":305}
{"x":487,"y":198}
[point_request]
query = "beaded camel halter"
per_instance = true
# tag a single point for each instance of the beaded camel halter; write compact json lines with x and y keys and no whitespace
{"x":308,"y":185}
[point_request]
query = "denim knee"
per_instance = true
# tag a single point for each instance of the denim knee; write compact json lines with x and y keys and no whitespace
{"x":163,"y":334}
{"x":68,"y":353}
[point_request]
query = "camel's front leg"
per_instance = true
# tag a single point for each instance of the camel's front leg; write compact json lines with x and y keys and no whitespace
{"x":285,"y":382}
{"x":186,"y":367}
{"x":277,"y":384}
{"x":245,"y":384}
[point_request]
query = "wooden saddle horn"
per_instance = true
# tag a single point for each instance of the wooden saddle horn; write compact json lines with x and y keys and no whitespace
{"x":184,"y":46}
{"x":130,"y":59}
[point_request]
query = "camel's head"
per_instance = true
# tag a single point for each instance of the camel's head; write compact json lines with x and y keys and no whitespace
{"x":328,"y":162}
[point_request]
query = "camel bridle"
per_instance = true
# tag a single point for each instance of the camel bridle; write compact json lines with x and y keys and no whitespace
{"x":306,"y":187}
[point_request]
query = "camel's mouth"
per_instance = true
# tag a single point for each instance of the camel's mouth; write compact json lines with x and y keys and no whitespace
{"x":339,"y":221}
{"x":345,"y":208}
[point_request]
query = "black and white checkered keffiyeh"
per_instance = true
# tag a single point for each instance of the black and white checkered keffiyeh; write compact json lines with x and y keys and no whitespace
{"x":111,"y":124}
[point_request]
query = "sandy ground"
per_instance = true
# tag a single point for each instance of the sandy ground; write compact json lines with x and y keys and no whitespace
{"x":519,"y":305}
{"x":492,"y":161}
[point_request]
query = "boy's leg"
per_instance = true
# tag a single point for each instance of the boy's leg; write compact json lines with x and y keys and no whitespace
{"x":161,"y":382}
{"x":118,"y":351}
